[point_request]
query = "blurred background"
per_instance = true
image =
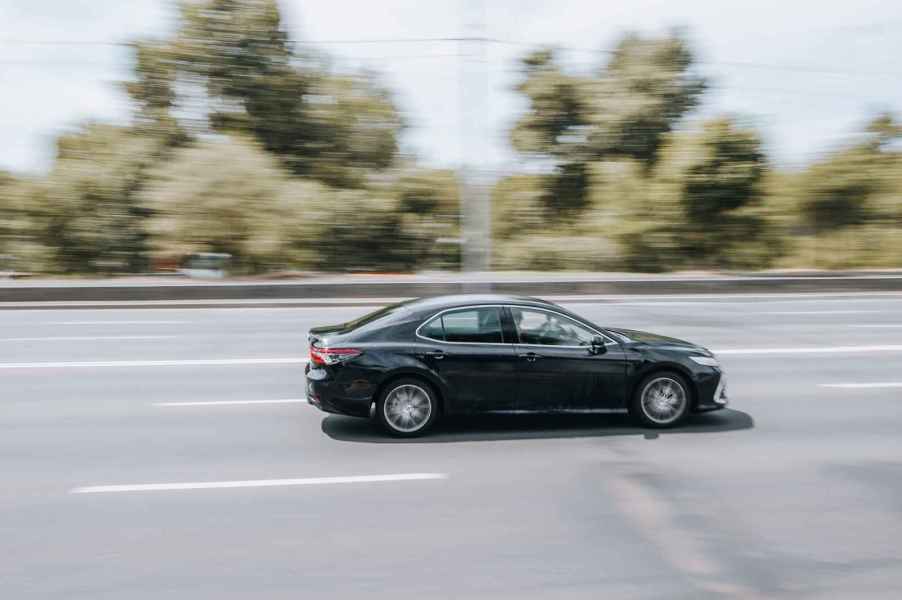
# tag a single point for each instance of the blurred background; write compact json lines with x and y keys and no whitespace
{"x":542,"y":148}
{"x":266,"y":137}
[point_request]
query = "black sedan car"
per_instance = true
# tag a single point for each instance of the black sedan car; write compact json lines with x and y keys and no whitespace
{"x":419,"y":360}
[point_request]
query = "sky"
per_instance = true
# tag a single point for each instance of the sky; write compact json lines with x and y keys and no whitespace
{"x":806,"y":73}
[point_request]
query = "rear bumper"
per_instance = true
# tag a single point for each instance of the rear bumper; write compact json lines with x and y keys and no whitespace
{"x":332,"y":397}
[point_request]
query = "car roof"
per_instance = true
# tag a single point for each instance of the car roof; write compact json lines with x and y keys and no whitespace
{"x":435,"y":303}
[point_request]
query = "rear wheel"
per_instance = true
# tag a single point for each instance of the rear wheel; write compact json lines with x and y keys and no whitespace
{"x":662,"y":400}
{"x":407,"y":407}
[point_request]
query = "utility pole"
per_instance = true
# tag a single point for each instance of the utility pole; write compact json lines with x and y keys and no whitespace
{"x":475,"y":201}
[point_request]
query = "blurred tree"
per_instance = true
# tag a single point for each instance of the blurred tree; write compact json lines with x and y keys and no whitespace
{"x":358,"y":230}
{"x":394,"y":225}
{"x":250,"y":79}
{"x":86,"y":209}
{"x":518,"y":206}
{"x":358,"y":127}
{"x":8,"y":210}
{"x":10,"y":217}
{"x":643,"y":91}
{"x":636,"y":98}
{"x":845,"y":210}
{"x":557,"y":113}
{"x":529,"y":234}
{"x":701,"y":204}
{"x":837,"y":190}
{"x":228,"y":195}
{"x":152,"y":90}
{"x":21,"y":248}
{"x":429,"y":199}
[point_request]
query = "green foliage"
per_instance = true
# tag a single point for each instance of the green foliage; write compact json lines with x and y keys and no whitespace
{"x":706,"y":178}
{"x":623,"y":111}
{"x":700,"y":206}
{"x":360,"y":231}
{"x":837,"y":191}
{"x":244,"y":145}
{"x":9,"y":208}
{"x":392,"y":226}
{"x":230,"y":195}
{"x":518,"y":207}
{"x":358,"y":127}
{"x":226,"y":195}
{"x":636,"y":98}
{"x":20,"y":246}
{"x":557,"y":251}
{"x":556,"y":108}
{"x":645,"y":89}
{"x":86,"y":210}
{"x":153,"y":89}
{"x":236,"y":61}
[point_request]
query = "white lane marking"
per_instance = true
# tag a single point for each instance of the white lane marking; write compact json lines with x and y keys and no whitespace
{"x":250,"y":483}
{"x":212,"y":304}
{"x":147,"y":322}
{"x":86,"y":338}
{"x":795,"y":296}
{"x":878,"y":384}
{"x":809,"y":350}
{"x":154,"y":363}
{"x":877,"y":325}
{"x":818,"y":312}
{"x":233,"y":402}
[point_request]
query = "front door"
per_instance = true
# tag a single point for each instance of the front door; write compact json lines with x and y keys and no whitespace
{"x":559,"y":370}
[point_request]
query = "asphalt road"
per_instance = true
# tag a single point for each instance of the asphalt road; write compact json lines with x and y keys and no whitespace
{"x":795,"y":492}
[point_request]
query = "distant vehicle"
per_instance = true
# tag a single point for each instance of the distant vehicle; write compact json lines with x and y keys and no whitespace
{"x":419,"y":360}
{"x":205,"y":265}
{"x":7,"y":266}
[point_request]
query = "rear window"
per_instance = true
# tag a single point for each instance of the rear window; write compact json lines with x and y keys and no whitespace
{"x":382,"y":313}
{"x":433,"y":330}
{"x":469,"y":325}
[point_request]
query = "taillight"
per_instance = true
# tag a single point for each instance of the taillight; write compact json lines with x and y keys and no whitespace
{"x":331,"y":356}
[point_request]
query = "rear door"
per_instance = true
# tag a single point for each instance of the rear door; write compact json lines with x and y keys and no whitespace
{"x":470,"y":352}
{"x":558,"y":369}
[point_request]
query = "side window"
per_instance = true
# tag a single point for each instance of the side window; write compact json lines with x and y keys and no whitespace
{"x":539,"y":327}
{"x":433,"y":330}
{"x":474,"y":325}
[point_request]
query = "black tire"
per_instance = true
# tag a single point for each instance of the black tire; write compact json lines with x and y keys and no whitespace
{"x":644,"y":411}
{"x":417,"y":391}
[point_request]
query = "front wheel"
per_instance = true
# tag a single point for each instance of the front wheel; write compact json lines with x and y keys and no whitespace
{"x":661,"y":400}
{"x":407,"y":407}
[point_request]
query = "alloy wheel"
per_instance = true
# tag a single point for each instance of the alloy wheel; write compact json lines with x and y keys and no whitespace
{"x":663,"y":400}
{"x":407,"y":408}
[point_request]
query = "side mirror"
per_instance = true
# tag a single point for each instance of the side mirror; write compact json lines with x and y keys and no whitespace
{"x":598,"y":346}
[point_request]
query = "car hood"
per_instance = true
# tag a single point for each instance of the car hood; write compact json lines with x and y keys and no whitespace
{"x":659,"y":341}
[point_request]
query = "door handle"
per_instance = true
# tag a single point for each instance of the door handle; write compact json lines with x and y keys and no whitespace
{"x":436,"y":354}
{"x":530,"y":356}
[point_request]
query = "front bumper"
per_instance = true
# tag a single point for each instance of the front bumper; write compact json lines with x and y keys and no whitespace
{"x":718,"y":399}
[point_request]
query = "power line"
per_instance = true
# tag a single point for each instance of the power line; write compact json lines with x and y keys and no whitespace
{"x":794,"y":68}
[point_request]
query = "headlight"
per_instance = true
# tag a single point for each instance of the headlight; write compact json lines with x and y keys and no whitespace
{"x":708,"y":361}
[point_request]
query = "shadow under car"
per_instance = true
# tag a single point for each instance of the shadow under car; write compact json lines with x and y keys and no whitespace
{"x":521,"y":427}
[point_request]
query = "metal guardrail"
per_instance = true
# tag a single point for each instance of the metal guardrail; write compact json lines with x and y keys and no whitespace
{"x":554,"y":285}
